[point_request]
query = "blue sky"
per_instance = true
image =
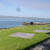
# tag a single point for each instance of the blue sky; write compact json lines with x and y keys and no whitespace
{"x":28,"y":8}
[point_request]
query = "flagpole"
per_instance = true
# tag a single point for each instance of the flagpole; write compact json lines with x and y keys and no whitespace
{"x":18,"y":10}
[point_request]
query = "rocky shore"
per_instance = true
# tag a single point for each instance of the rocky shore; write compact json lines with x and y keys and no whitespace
{"x":36,"y":23}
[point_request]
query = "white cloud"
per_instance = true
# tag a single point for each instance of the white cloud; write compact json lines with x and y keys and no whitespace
{"x":32,"y":3}
{"x":1,"y":5}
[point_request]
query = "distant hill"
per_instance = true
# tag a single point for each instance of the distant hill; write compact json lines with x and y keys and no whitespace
{"x":21,"y":17}
{"x":7,"y":16}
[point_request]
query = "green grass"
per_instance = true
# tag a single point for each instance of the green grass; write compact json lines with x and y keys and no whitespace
{"x":16,"y":43}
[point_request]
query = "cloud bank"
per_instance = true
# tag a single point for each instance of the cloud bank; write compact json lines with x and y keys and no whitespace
{"x":1,"y":5}
{"x":32,"y":3}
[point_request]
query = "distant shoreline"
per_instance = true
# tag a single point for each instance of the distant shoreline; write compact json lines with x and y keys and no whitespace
{"x":8,"y":17}
{"x":25,"y":17}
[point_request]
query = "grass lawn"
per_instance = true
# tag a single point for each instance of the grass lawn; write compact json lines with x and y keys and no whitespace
{"x":16,"y":43}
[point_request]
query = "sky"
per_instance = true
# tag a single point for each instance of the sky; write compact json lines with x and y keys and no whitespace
{"x":28,"y":8}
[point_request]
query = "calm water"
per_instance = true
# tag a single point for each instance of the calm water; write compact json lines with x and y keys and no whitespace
{"x":14,"y":22}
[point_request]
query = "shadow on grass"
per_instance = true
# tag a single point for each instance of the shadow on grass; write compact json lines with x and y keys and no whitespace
{"x":19,"y":49}
{"x":48,"y":33}
{"x":33,"y":45}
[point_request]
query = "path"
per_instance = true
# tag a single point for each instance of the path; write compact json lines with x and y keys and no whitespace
{"x":43,"y":46}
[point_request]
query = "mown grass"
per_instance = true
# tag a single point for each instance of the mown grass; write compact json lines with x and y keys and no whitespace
{"x":16,"y":43}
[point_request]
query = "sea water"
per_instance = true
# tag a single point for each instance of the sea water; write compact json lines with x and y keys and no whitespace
{"x":15,"y":22}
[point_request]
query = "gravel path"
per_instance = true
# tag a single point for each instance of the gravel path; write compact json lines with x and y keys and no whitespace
{"x":44,"y":27}
{"x":46,"y":31}
{"x":43,"y":46}
{"x":22,"y":35}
